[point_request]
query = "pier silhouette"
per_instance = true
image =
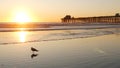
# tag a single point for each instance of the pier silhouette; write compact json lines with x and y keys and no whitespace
{"x":91,"y":20}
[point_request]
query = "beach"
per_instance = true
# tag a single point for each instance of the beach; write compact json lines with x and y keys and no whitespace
{"x":85,"y":48}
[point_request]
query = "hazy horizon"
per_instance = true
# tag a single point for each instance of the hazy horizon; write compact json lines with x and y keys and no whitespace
{"x":54,"y":10}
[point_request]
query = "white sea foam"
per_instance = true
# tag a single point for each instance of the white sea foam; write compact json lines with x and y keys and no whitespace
{"x":70,"y":34}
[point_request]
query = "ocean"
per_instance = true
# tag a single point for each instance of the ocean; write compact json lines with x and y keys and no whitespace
{"x":81,"y":48}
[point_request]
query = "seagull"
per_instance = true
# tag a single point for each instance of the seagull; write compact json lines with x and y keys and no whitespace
{"x":33,"y":49}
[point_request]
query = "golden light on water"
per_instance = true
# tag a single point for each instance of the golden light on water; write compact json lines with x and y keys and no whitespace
{"x":22,"y":36}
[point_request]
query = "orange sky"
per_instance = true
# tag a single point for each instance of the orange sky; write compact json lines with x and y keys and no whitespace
{"x":53,"y":10}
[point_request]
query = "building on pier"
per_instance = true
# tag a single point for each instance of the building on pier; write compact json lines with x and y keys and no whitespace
{"x":100,"y":19}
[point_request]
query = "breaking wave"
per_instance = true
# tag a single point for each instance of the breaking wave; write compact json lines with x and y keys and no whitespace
{"x":67,"y":35}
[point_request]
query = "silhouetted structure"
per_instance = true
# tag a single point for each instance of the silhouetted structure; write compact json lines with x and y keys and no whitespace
{"x":101,"y":19}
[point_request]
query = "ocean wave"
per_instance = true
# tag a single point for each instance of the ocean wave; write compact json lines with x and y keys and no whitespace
{"x":68,"y":35}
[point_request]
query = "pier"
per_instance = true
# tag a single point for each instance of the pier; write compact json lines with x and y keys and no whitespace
{"x":100,"y":19}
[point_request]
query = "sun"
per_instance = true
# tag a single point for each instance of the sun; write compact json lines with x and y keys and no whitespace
{"x":21,"y":17}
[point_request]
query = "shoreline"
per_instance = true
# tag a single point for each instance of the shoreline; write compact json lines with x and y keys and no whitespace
{"x":62,"y":27}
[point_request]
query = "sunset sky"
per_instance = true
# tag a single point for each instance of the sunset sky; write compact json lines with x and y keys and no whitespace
{"x":53,"y":10}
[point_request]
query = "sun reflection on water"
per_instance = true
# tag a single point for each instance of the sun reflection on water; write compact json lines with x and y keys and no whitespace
{"x":22,"y":36}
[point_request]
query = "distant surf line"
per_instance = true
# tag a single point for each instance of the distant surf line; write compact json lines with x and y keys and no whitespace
{"x":57,"y":39}
{"x":60,"y":28}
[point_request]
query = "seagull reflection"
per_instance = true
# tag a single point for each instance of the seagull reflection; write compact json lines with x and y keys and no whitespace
{"x":34,"y":55}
